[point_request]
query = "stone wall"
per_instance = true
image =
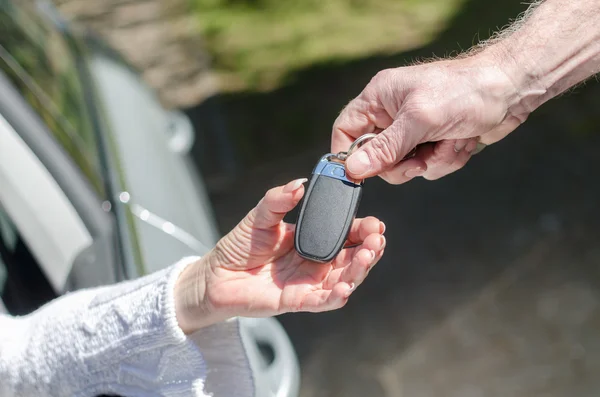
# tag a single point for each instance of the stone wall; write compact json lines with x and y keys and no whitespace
{"x":159,"y":37}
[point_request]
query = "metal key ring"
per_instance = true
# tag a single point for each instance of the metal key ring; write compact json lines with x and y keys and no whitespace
{"x":358,"y":141}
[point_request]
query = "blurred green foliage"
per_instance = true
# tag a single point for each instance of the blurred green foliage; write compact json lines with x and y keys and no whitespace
{"x":289,"y":66}
{"x":255,"y":44}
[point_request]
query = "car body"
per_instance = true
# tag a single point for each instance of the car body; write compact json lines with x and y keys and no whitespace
{"x":96,"y":183}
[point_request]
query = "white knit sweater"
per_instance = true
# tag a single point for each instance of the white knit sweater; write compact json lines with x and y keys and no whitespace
{"x":122,"y":339}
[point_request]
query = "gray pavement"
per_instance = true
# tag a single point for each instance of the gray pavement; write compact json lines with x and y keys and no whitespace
{"x":490,"y":285}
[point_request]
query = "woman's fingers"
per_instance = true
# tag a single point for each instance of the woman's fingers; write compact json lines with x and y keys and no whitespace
{"x":340,"y":283}
{"x":276,"y":204}
{"x":325,"y":300}
{"x":363,"y":227}
{"x":364,"y":259}
{"x":357,"y":262}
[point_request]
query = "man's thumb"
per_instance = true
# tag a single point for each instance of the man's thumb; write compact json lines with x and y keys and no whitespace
{"x":376,"y":155}
{"x":359,"y":163}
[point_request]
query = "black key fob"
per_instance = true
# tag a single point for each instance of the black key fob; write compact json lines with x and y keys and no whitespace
{"x":328,"y":208}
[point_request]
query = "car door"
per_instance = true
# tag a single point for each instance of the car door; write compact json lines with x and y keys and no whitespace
{"x":23,"y":284}
{"x":46,"y":248}
{"x":51,"y":183}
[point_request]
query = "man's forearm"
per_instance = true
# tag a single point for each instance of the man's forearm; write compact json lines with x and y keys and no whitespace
{"x":555,"y":46}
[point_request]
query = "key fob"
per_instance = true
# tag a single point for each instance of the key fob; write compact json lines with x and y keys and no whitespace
{"x":328,"y":208}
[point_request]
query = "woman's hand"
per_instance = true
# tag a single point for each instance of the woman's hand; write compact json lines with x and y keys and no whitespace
{"x":254,"y":271}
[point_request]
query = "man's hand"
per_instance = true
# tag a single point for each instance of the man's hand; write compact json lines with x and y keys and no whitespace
{"x":448,"y":105}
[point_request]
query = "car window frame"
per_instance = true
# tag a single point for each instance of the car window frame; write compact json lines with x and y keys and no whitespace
{"x":84,"y":271}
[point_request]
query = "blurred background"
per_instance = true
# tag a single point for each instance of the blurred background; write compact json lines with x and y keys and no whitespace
{"x":490,"y":285}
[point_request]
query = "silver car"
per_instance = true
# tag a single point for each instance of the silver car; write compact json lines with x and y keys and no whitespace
{"x":96,"y":185}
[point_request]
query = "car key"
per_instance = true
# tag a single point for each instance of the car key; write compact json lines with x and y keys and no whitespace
{"x":328,"y":208}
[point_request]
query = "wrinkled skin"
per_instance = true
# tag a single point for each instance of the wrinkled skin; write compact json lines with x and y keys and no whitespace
{"x":445,"y":107}
{"x":254,"y":271}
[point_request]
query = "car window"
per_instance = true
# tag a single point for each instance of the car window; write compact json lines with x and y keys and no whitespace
{"x":36,"y":57}
{"x":7,"y":240}
{"x":2,"y":277}
{"x":23,"y":286}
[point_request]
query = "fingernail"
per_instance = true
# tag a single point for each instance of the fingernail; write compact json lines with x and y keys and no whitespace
{"x":471,"y":147}
{"x":294,"y":185}
{"x":382,"y":241}
{"x":413,"y":172}
{"x":359,"y":163}
{"x":458,"y":147}
{"x":381,"y":227}
{"x":349,"y":292}
{"x":372,"y":255}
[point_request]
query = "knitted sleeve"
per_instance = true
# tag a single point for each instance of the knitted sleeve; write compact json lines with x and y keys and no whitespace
{"x":122,"y":339}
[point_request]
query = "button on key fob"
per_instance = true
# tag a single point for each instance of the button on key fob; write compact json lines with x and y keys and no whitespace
{"x":327,"y":211}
